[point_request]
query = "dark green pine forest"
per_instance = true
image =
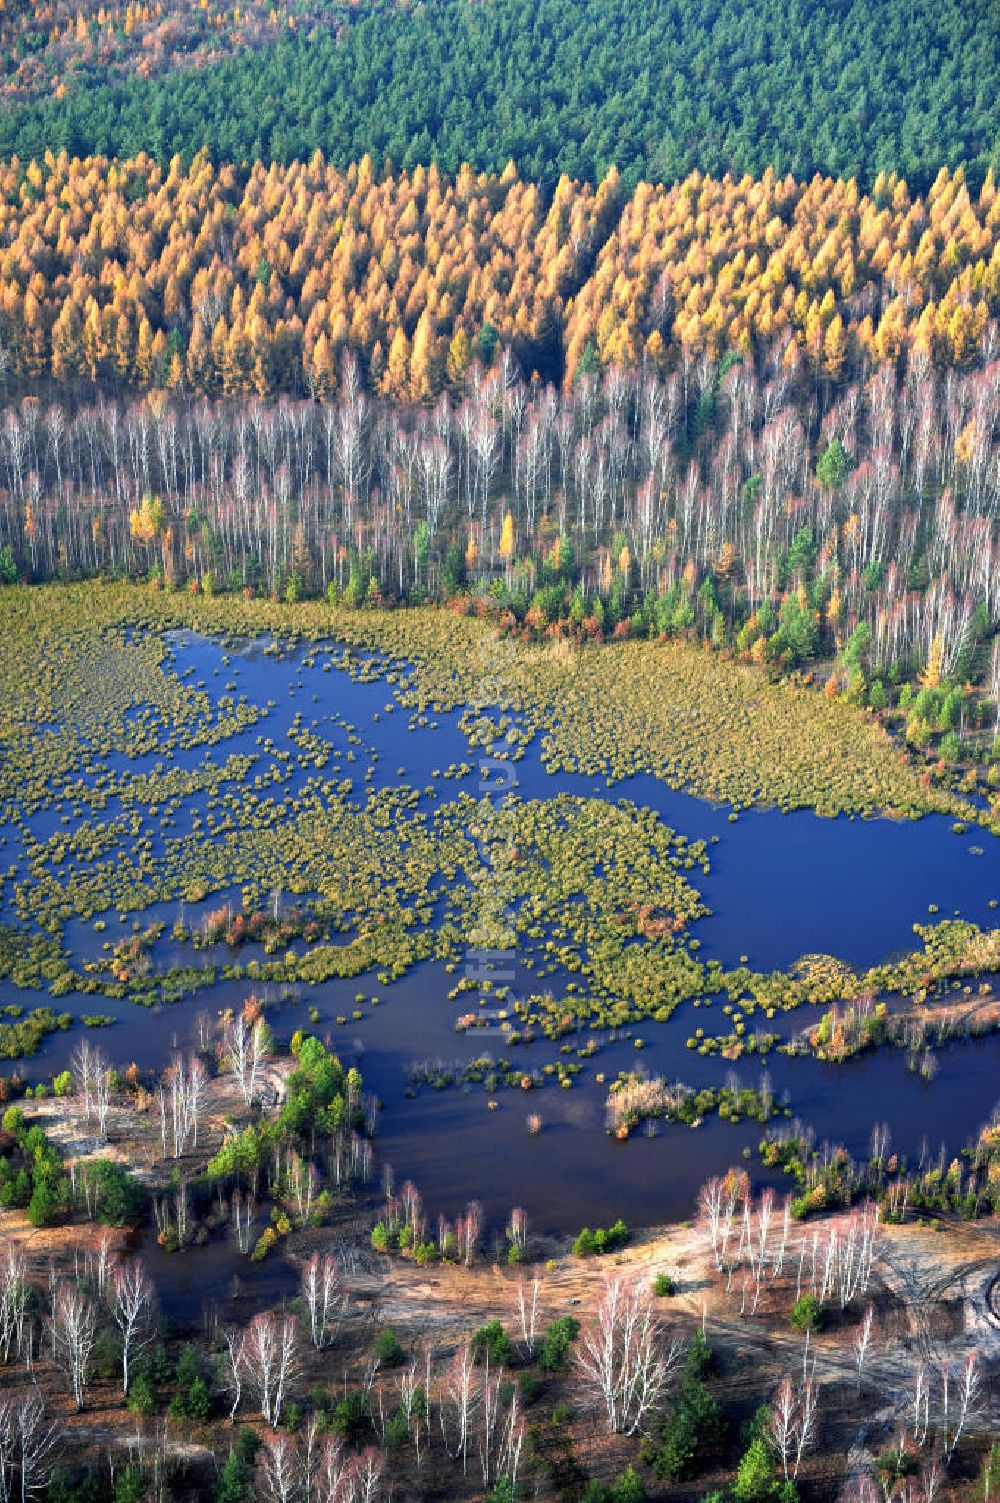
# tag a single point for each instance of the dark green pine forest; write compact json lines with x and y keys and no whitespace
{"x":845,"y":87}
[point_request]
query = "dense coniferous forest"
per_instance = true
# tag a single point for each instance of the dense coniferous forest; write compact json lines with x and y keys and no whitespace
{"x":234,"y":282}
{"x":846,"y":87}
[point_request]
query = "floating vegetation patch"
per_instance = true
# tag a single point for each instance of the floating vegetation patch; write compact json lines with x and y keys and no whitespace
{"x":31,"y":960}
{"x":733,"y":1045}
{"x":635,"y":1098}
{"x":492,"y":1074}
{"x":21,"y":1037}
{"x":258,"y":927}
{"x":719,"y":729}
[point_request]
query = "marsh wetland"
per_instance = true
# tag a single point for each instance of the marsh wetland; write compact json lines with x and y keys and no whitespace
{"x":208,"y":800}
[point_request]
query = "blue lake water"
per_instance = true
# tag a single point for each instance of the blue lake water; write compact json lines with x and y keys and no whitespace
{"x":780,"y":886}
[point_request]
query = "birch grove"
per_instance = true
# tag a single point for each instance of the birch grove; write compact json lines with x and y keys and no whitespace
{"x":297,"y":489}
{"x":181,"y":1097}
{"x":750,"y":1246}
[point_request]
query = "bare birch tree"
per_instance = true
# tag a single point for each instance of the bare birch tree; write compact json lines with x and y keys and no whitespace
{"x":73,"y":1329}
{"x":235,"y":1370}
{"x":862,"y":1342}
{"x":244,"y":1209}
{"x":961,"y":1401}
{"x":324,"y":1297}
{"x":246,"y":1042}
{"x":458,"y":1404}
{"x":15,"y":1293}
{"x":526,"y":1302}
{"x":181,"y":1096}
{"x":623,"y":1359}
{"x":270,"y":1361}
{"x":85,"y":1063}
{"x":781,"y":1424}
{"x":132,"y":1305}
{"x":279,"y":1473}
{"x":102,"y":1093}
{"x":28,"y":1444}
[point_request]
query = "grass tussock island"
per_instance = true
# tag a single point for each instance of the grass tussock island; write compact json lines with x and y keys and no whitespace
{"x":717,"y":729}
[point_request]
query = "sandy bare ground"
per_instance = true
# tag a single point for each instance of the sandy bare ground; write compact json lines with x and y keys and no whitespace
{"x":929,"y":1295}
{"x":133,"y":1137}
